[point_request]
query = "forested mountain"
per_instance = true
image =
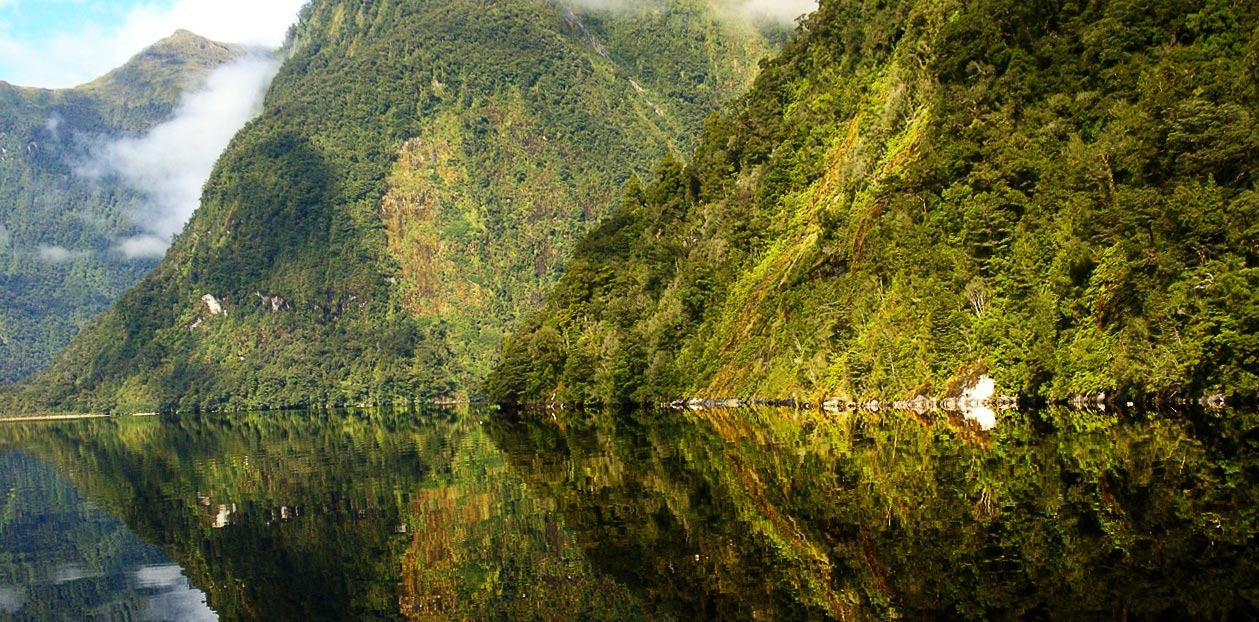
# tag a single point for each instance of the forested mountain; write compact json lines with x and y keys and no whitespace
{"x":58,"y":229}
{"x":417,"y":176}
{"x":1060,"y":194}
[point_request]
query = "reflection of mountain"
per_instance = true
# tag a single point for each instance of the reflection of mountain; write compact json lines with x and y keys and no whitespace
{"x":794,"y":515}
{"x":724,"y":515}
{"x":333,"y":517}
{"x":63,"y":558}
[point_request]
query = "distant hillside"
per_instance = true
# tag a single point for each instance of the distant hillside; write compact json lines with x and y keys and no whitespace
{"x":1059,"y":194}
{"x":58,"y":229}
{"x":415,"y":183}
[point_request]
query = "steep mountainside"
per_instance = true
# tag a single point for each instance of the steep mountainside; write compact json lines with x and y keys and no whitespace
{"x":58,"y":265}
{"x":417,"y":176}
{"x":1060,"y":194}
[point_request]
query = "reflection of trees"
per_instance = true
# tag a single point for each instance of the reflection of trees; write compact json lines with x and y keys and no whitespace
{"x":797,"y":515}
{"x":337,"y":517}
{"x":481,"y":544}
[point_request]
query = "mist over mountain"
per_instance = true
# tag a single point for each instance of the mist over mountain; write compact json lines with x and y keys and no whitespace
{"x":910,"y":196}
{"x":170,"y":163}
{"x":780,"y":12}
{"x":413,"y":185}
{"x":64,"y":236}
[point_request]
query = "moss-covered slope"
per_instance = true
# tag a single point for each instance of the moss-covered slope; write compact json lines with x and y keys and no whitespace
{"x":417,"y":176}
{"x":1059,"y":194}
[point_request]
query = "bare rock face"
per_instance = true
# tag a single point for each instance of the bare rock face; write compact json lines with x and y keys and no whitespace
{"x":213,"y":305}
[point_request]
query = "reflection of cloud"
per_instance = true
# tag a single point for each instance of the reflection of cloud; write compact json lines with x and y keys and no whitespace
{"x":176,"y":601}
{"x":182,"y":605}
{"x":159,"y":577}
{"x":170,"y":164}
{"x":69,"y":573}
{"x":11,"y":599}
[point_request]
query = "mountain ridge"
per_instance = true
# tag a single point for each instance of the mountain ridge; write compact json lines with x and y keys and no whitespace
{"x":57,"y":227}
{"x":913,"y":195}
{"x":397,"y":142}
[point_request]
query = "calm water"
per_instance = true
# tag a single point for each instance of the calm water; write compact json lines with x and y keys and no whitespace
{"x":717,"y":515}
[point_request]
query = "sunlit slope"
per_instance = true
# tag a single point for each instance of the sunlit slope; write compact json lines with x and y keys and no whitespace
{"x":58,"y":229}
{"x":1062,"y":196}
{"x":417,"y":178}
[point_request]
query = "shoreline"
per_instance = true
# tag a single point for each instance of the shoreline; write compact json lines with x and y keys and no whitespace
{"x":68,"y":417}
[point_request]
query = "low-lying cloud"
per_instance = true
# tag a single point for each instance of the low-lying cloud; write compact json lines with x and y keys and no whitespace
{"x":49,"y":253}
{"x":170,"y":165}
{"x":774,"y":11}
{"x":782,"y":11}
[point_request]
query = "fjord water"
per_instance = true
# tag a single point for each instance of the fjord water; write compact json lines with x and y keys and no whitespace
{"x":600,"y":515}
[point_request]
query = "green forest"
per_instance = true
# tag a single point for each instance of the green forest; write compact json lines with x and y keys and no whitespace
{"x":545,"y":204}
{"x":413,"y":186}
{"x":1061,"y":195}
{"x":58,"y":229}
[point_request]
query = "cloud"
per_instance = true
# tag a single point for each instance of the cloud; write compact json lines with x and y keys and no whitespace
{"x":776,"y":11}
{"x":58,"y":254}
{"x":87,"y":50}
{"x":11,"y":598}
{"x":781,"y":11}
{"x":143,"y":247}
{"x":170,"y":164}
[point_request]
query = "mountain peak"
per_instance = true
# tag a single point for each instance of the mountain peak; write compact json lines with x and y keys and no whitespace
{"x":166,"y":68}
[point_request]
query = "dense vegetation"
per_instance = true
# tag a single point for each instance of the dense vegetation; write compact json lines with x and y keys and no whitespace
{"x":58,"y":230}
{"x":1060,"y":194}
{"x":419,"y":173}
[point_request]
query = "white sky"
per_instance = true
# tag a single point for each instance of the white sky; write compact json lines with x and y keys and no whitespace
{"x":62,"y":43}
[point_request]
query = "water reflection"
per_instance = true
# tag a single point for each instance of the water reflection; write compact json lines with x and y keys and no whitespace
{"x":801,"y":515}
{"x":749,"y":514}
{"x":317,"y":516}
{"x":62,"y":559}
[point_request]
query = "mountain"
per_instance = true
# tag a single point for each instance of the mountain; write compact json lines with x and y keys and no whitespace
{"x":58,"y":229}
{"x":417,"y":177}
{"x":1060,"y":195}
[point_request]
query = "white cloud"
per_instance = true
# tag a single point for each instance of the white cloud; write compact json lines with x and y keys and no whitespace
{"x":170,"y":164}
{"x":783,"y":11}
{"x":143,"y":247}
{"x":58,"y":254}
{"x":11,"y":598}
{"x":87,"y":51}
{"x":780,"y":11}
